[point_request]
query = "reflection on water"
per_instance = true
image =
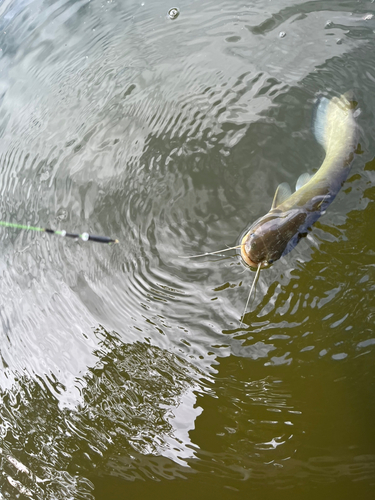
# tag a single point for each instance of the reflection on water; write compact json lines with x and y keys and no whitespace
{"x":137,"y":401}
{"x":172,"y":136}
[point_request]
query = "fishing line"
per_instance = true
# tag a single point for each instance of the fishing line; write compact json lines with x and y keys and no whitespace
{"x":62,"y":232}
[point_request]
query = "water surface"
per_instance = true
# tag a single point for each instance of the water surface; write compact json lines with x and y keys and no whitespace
{"x":125,"y":370}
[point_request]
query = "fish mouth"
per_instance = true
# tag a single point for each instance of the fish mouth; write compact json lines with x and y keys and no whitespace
{"x":247,"y":259}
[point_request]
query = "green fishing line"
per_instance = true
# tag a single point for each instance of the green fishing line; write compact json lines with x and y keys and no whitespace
{"x":61,"y":232}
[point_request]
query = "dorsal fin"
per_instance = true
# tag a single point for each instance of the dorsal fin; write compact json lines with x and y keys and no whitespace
{"x":283,"y":192}
{"x":302,"y":180}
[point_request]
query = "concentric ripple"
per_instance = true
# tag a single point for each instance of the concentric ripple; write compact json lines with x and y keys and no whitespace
{"x":131,"y":360}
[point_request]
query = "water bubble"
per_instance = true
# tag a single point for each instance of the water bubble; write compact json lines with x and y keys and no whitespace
{"x":339,"y":41}
{"x":173,"y":13}
{"x":282,"y":34}
{"x":329,"y":24}
{"x":367,"y":17}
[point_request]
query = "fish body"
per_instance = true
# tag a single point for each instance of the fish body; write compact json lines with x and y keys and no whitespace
{"x":292,"y":214}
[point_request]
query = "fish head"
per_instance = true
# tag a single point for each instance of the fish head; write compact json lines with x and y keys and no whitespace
{"x":270,"y":237}
{"x":256,"y":249}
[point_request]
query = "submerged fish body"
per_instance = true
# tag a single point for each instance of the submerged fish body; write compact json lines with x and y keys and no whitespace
{"x":291,"y":215}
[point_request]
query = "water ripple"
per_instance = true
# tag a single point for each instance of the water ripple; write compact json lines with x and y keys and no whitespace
{"x":172,"y":136}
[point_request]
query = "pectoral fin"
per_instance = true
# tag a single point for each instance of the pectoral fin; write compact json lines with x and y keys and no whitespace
{"x":283,"y":192}
{"x":302,"y":180}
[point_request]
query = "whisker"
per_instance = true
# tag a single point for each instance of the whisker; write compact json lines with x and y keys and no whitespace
{"x":209,"y":253}
{"x":243,"y":270}
{"x":251,"y":290}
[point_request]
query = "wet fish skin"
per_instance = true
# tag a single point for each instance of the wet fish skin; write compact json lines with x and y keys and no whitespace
{"x":278,"y":232}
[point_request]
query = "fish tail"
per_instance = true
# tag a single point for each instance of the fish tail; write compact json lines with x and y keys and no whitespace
{"x":320,"y":119}
{"x":333,"y":119}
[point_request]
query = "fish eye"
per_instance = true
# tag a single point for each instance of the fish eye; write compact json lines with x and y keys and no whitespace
{"x":271,"y":261}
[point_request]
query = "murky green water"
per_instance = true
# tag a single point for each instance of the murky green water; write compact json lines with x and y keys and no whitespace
{"x":125,"y":371}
